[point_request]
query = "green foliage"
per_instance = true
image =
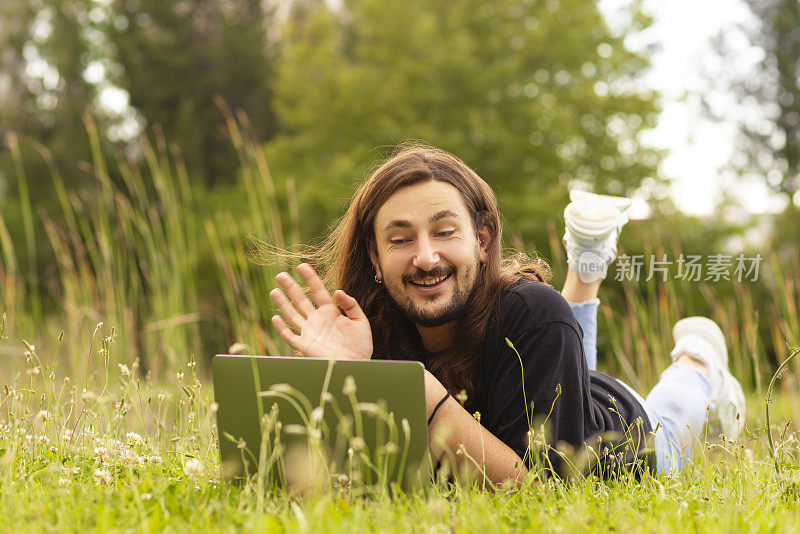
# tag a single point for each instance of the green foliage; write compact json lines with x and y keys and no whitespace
{"x":774,"y":151}
{"x":533,"y":95}
{"x":144,"y":257}
{"x":46,"y":47}
{"x":178,"y":58}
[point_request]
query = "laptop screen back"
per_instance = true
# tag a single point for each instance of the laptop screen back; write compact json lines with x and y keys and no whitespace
{"x":339,"y":422}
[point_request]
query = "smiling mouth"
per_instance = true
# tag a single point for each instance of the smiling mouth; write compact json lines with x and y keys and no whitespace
{"x":429,"y":282}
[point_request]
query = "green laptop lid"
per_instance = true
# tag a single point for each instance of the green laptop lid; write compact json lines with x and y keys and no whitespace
{"x":323,"y":422}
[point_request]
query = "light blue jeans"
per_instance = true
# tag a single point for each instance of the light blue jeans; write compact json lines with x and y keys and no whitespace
{"x":676,"y":406}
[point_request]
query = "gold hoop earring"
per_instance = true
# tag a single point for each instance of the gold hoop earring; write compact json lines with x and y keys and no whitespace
{"x":378,"y":279}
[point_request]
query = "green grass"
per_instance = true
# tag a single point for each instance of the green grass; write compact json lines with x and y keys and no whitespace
{"x":135,"y":256}
{"x":100,"y":475}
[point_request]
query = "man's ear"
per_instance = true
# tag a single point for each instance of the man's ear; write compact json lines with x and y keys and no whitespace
{"x":485,"y":236}
{"x":373,"y":257}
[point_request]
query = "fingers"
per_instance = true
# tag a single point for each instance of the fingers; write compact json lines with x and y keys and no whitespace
{"x":285,"y":332}
{"x":349,"y":305}
{"x":318,"y":290}
{"x":287,"y":309}
{"x":299,"y":299}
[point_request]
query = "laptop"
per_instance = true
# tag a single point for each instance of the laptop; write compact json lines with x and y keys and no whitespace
{"x":301,"y":422}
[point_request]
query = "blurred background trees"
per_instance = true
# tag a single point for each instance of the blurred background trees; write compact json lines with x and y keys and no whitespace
{"x":533,"y":95}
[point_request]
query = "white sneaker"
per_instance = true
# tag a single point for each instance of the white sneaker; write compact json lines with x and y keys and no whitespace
{"x":593,"y":223}
{"x":702,"y":339}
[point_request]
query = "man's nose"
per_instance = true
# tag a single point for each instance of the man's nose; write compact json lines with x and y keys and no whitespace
{"x":427,"y":257}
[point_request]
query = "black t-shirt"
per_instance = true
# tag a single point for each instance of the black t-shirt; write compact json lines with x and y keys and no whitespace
{"x":580,"y":405}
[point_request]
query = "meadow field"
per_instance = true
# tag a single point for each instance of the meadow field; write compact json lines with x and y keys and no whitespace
{"x":107,"y":420}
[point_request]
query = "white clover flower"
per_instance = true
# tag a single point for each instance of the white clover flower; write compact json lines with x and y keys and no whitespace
{"x":102,"y":477}
{"x":67,"y":435}
{"x":147,"y":496}
{"x":193,"y":469}
{"x":100,"y":453}
{"x":154,"y":458}
{"x":63,"y":482}
{"x":132,"y":438}
{"x":342,"y":481}
{"x":128,"y":456}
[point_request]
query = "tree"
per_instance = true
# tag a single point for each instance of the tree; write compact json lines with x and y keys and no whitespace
{"x":534,"y":95}
{"x":45,"y":52}
{"x":769,"y":142}
{"x":177,"y":56}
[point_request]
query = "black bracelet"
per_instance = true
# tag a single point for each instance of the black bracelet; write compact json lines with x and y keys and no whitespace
{"x":437,"y":407}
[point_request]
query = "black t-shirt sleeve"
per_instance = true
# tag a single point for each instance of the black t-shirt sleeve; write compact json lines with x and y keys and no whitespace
{"x":548,"y":372}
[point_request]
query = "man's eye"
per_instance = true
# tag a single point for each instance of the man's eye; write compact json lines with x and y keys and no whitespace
{"x":397,"y":241}
{"x":446,"y":233}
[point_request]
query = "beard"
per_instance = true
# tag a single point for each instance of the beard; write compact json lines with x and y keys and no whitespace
{"x":432,"y":317}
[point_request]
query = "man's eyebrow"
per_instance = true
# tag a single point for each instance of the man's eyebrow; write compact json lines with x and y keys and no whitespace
{"x":403,"y":223}
{"x":397,"y":223}
{"x":442,"y":215}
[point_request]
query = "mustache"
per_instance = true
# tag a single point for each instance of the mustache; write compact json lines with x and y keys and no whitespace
{"x":433,"y":273}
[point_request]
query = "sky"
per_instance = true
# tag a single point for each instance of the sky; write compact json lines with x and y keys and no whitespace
{"x":698,"y":148}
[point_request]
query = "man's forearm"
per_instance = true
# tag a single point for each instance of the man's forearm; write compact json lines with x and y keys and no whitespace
{"x":455,"y":433}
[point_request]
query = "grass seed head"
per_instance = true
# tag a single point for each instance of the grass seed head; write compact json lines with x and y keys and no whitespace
{"x":349,"y":388}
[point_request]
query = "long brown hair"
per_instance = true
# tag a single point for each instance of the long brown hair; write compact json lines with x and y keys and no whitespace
{"x":344,"y":256}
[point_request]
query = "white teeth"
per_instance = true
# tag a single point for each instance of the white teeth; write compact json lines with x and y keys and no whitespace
{"x":428,"y":282}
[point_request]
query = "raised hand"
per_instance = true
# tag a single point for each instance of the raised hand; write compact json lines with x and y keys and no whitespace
{"x":321,"y":330}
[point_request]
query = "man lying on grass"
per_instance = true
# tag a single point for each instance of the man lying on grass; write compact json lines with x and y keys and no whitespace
{"x":417,"y":265}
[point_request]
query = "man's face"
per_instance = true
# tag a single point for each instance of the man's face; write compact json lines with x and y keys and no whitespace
{"x":428,"y":253}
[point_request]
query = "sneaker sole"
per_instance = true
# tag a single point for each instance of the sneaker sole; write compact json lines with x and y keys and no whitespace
{"x":706,"y":328}
{"x":621,"y":203}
